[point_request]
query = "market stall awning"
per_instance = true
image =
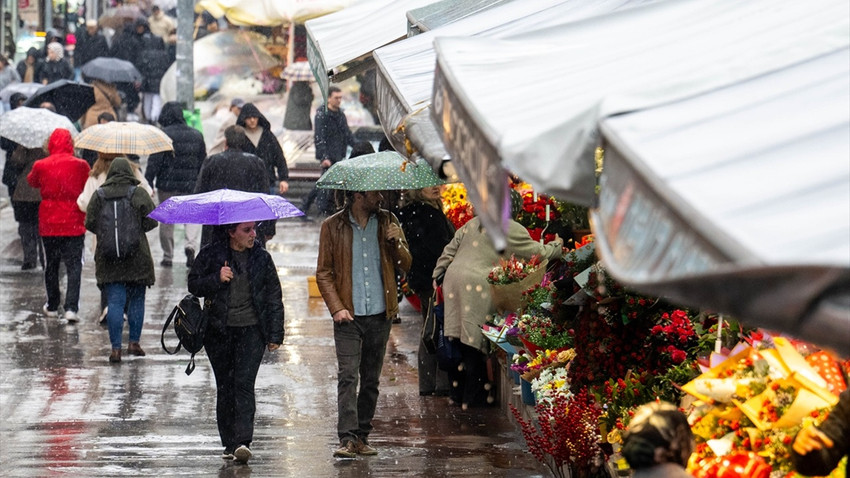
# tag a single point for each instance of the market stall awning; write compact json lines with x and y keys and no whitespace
{"x":336,"y":41}
{"x":406,"y":68}
{"x":269,"y":12}
{"x":444,"y":12}
{"x":532,"y":103}
{"x":738,"y":200}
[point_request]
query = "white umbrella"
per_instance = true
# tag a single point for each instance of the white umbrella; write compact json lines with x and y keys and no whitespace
{"x":31,"y":127}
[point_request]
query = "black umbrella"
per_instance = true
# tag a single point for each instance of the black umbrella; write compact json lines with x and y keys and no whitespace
{"x":111,"y":70}
{"x":70,"y":98}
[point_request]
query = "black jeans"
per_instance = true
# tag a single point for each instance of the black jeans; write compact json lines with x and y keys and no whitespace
{"x":235,"y":356}
{"x":68,"y":250}
{"x":360,"y":348}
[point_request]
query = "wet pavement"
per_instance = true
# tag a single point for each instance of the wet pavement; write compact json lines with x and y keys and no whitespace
{"x":65,"y":411}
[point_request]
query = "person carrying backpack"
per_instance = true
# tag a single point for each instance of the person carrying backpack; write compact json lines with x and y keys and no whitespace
{"x":117,"y":214}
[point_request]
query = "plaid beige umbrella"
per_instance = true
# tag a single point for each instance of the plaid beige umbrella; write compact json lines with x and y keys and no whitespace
{"x":123,"y":138}
{"x":298,"y":71}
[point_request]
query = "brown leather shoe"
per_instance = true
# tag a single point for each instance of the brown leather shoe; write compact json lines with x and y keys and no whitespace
{"x":115,"y":356}
{"x":135,"y":349}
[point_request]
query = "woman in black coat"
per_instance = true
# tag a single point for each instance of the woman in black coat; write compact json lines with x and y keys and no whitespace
{"x":242,"y":295}
{"x":427,"y":231}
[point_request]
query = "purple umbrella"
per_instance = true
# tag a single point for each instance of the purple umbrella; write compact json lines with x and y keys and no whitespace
{"x":223,"y":206}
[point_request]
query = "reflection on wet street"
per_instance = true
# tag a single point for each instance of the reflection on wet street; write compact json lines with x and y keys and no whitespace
{"x":65,"y":411}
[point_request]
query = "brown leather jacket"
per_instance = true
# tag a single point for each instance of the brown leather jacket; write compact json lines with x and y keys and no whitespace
{"x":333,"y":270}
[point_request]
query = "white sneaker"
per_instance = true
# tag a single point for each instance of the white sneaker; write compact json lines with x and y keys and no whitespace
{"x":71,"y":316}
{"x":49,"y":313}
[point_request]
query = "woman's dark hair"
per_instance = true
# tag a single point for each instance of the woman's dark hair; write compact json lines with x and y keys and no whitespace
{"x":657,"y":425}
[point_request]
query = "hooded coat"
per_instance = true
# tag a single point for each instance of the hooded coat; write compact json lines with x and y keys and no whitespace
{"x":177,"y":171}
{"x":136,"y":268}
{"x":268,"y":148}
{"x":61,"y":178}
{"x":22,"y":65}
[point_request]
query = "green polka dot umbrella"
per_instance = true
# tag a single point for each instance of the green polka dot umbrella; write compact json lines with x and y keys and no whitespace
{"x":382,"y":171}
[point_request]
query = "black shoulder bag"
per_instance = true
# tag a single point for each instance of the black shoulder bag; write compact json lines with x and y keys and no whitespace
{"x":190,"y":324}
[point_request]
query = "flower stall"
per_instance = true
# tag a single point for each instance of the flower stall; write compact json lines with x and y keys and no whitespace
{"x":589,"y":352}
{"x":582,"y":353}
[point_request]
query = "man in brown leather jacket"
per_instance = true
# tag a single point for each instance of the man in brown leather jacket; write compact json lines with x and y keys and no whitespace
{"x":360,"y":248}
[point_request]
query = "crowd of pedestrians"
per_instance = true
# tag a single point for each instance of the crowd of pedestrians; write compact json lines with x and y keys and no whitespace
{"x":58,"y":196}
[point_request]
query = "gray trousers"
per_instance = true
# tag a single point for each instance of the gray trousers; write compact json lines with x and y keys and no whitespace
{"x":360,"y":348}
{"x":191,"y":233}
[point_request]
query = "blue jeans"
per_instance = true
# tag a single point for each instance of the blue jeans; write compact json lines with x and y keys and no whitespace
{"x":235,"y":356}
{"x":67,"y":250}
{"x":360,"y":348}
{"x":118,"y":294}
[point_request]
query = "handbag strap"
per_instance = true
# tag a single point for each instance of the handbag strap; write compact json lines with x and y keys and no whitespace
{"x":191,"y":366}
{"x":171,"y":317}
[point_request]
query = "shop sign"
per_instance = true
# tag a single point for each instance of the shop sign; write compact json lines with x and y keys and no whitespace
{"x":476,"y":160}
{"x":649,"y":241}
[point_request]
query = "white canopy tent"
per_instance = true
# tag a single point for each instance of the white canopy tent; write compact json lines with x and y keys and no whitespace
{"x":738,"y":200}
{"x":441,"y":13}
{"x":269,"y":12}
{"x":406,"y":69}
{"x":350,"y":35}
{"x":560,"y":82}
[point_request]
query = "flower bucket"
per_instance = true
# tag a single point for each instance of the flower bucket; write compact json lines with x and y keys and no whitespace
{"x":527,"y":394}
{"x":515,"y":376}
{"x":508,"y":297}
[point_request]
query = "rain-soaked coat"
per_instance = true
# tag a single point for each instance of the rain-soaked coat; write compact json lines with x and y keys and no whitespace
{"x":268,"y":148}
{"x":177,"y":171}
{"x":106,"y":100}
{"x":60,"y":177}
{"x":205,"y":281}
{"x":136,"y":268}
{"x":333,"y":270}
{"x":466,"y":263}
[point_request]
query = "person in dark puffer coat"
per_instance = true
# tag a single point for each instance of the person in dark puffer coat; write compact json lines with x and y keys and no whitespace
{"x":174,"y":173}
{"x":239,"y":283}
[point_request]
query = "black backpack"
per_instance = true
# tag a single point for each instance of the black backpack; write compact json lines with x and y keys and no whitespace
{"x":190,"y":326}
{"x":120,"y":228}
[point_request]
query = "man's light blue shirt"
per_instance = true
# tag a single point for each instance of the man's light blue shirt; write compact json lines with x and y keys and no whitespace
{"x":367,"y":285}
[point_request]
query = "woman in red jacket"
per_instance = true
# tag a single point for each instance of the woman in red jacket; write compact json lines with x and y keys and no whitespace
{"x":61,"y":178}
